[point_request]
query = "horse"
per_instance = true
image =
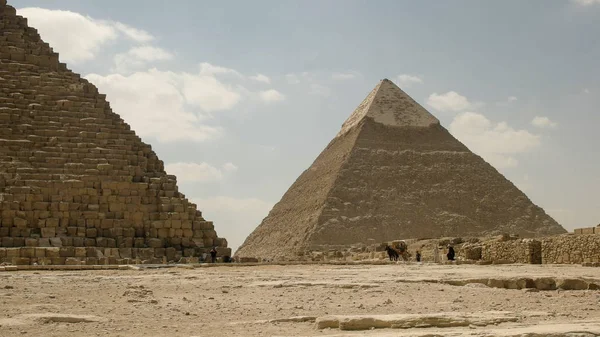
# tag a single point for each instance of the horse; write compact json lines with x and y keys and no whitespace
{"x":392,"y":253}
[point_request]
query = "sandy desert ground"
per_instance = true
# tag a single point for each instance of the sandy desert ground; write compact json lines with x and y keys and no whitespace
{"x":302,"y":300}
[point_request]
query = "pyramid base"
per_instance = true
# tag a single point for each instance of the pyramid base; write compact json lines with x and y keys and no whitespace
{"x":104,"y":256}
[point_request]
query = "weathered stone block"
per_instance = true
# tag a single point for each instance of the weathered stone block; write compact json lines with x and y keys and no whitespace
{"x":58,"y":260}
{"x":53,"y":252}
{"x":13,"y":252}
{"x":20,"y":261}
{"x":67,"y":251}
{"x":7,"y":242}
{"x":48,"y":232}
{"x":44,"y":242}
{"x":40,"y":252}
{"x":91,"y":232}
{"x":31,"y":242}
{"x":44,"y":261}
{"x":78,"y":242}
{"x":27,"y":252}
{"x":20,"y":223}
{"x":125,"y":253}
{"x":71,"y":261}
{"x":80,"y":252}
{"x":145,"y":253}
{"x":155,"y":243}
{"x":159,"y":252}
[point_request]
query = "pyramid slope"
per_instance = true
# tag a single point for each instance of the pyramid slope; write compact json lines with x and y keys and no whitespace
{"x":73,"y":174}
{"x":285,"y":230}
{"x":401,"y":180}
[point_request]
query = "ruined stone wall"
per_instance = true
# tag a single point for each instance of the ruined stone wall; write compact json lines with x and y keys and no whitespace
{"x":587,"y":230}
{"x":514,"y":251}
{"x":571,"y":248}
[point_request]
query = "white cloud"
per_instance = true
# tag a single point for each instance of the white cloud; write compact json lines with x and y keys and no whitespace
{"x":512,"y":98}
{"x":260,"y":78}
{"x":208,"y":69}
{"x":496,"y":143}
{"x":543,"y":122}
{"x":234,"y":218}
{"x":586,"y":2}
{"x":134,"y":34}
{"x":208,"y":92}
{"x":271,"y":95}
{"x":194,"y":172}
{"x":79,"y":38}
{"x":448,"y":102}
{"x":75,"y":37}
{"x":406,"y":80}
{"x":137,"y":57}
{"x":155,"y":105}
{"x":344,"y":76}
{"x":229,"y":167}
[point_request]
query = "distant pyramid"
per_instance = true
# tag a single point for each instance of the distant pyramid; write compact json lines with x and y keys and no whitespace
{"x":394,"y":172}
{"x":75,"y":182}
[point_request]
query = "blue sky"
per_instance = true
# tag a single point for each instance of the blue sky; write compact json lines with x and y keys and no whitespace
{"x":238,"y":98}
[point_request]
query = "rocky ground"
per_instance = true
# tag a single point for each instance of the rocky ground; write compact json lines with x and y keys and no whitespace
{"x":303,"y":300}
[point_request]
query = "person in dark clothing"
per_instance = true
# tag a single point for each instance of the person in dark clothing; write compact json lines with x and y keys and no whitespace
{"x":213,"y":255}
{"x":451,"y":253}
{"x":418,"y":254}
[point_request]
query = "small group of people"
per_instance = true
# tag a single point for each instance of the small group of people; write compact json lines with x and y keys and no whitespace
{"x":450,"y":255}
{"x":402,"y":251}
{"x":213,"y":255}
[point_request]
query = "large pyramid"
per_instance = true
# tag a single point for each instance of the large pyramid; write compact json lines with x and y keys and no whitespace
{"x":77,"y":186}
{"x":393,"y":172}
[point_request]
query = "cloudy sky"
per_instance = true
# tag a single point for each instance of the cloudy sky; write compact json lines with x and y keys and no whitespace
{"x":239,"y":97}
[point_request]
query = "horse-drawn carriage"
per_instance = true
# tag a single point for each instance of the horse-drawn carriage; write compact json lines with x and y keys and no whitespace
{"x":398,"y":249}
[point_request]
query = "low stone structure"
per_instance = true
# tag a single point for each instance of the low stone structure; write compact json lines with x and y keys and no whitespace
{"x":514,"y":251}
{"x":503,"y":249}
{"x":571,"y":249}
{"x":587,"y":230}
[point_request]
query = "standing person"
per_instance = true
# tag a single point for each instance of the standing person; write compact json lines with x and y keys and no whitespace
{"x":418,"y":255}
{"x":451,"y":253}
{"x":213,"y":255}
{"x":436,"y":254}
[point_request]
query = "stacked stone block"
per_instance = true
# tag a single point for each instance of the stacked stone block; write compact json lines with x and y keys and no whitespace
{"x":76,"y":183}
{"x":584,"y":248}
{"x":528,"y":251}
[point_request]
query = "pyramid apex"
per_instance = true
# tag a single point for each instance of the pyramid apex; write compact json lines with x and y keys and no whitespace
{"x":387,"y":104}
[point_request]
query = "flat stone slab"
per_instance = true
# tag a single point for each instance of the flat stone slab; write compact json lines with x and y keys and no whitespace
{"x":572,"y":329}
{"x":45,"y":318}
{"x":406,"y":321}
